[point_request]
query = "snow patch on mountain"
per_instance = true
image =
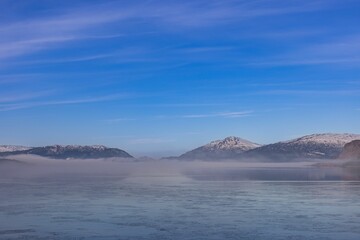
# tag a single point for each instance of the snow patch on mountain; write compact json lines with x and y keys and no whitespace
{"x":231,"y":143}
{"x":12,"y":148}
{"x":321,"y":146}
{"x":70,"y":152}
{"x":330,"y":139}
{"x":65,"y":148}
{"x":228,"y":148}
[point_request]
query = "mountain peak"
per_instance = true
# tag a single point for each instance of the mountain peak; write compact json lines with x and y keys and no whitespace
{"x":227,"y":148}
{"x":232,"y":142}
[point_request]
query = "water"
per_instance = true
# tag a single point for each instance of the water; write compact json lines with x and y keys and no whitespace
{"x":196,"y":205}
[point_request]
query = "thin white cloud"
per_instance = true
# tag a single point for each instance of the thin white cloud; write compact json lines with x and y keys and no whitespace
{"x":36,"y":34}
{"x":308,"y":61}
{"x":344,"y":50}
{"x":7,"y":79}
{"x":223,"y":114}
{"x":31,"y":35}
{"x":68,"y":60}
{"x":186,"y":105}
{"x":16,"y":106}
{"x":15,"y":97}
{"x":210,"y":13}
{"x":347,"y":92}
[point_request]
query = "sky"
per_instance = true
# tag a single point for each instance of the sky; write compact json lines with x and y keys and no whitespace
{"x":159,"y":78}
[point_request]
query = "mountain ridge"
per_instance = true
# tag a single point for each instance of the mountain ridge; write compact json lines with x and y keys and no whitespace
{"x":12,"y":148}
{"x":313,"y":146}
{"x":73,"y":151}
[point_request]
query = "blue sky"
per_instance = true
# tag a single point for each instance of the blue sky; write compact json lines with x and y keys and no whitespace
{"x":161,"y":77}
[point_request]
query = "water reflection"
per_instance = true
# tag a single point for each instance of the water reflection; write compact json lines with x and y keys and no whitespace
{"x":277,"y":174}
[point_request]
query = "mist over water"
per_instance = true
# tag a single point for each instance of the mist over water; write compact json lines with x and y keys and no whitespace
{"x":28,"y":166}
{"x":120,"y":199}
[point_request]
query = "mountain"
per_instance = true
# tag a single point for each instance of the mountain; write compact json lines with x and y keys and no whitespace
{"x":228,"y":148}
{"x":351,"y":151}
{"x":12,"y":148}
{"x":74,"y":151}
{"x":315,"y":146}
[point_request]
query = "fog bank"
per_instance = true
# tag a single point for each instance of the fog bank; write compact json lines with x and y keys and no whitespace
{"x":30,"y":166}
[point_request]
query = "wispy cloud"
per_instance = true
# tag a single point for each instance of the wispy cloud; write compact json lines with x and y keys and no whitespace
{"x":306,"y":61}
{"x":8,"y":79}
{"x":69,"y":59}
{"x":186,"y":105}
{"x":344,"y":50}
{"x":347,"y":92}
{"x":24,"y":105}
{"x":15,"y":97}
{"x":31,"y":35}
{"x":36,"y":34}
{"x":223,"y":115}
{"x":210,"y":13}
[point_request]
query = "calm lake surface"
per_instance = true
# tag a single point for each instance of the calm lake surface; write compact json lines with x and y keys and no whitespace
{"x":228,"y":204}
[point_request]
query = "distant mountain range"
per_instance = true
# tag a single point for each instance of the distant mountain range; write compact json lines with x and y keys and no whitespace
{"x":69,"y":151}
{"x":316,"y":146}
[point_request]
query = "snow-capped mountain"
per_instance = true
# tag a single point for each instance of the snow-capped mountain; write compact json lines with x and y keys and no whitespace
{"x":12,"y":148}
{"x":228,"y":148}
{"x":315,"y":146}
{"x":231,"y":143}
{"x":75,"y":151}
